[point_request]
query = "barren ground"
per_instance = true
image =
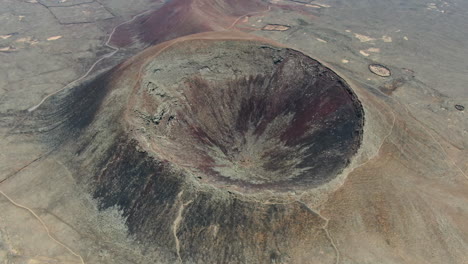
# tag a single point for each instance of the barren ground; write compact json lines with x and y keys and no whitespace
{"x":402,"y":199}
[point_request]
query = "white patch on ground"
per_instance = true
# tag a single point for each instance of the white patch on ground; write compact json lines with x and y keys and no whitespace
{"x":323,"y":5}
{"x":5,"y":36}
{"x":386,"y":38}
{"x":7,"y":49}
{"x":437,"y":8}
{"x":364,"y":53}
{"x":363,"y":38}
{"x":27,"y":40}
{"x":54,"y":38}
{"x":374,"y":50}
{"x":321,"y":40}
{"x":344,"y":61}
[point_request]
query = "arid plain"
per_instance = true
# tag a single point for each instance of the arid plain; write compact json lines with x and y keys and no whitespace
{"x":216,"y":131}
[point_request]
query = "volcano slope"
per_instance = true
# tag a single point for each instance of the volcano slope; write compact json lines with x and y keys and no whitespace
{"x":229,"y":148}
{"x":205,"y":143}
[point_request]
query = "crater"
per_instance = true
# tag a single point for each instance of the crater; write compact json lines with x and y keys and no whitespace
{"x":247,"y":115}
{"x":205,"y":142}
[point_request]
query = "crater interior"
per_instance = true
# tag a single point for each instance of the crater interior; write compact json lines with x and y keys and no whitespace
{"x":247,"y":114}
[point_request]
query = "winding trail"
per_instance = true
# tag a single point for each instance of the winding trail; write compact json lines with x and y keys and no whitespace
{"x":43,"y":225}
{"x":327,"y":220}
{"x":116,"y":49}
{"x":248,"y":14}
{"x":426,"y":128}
{"x":332,"y":242}
{"x":108,"y":55}
{"x":325,"y":229}
{"x":183,"y":205}
{"x":33,"y":108}
{"x":176,"y":224}
{"x":377,"y":153}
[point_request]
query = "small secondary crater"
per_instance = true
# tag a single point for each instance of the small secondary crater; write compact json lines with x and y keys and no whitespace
{"x":248,"y":115}
{"x":275,"y":27}
{"x":459,"y":107}
{"x":380,"y":70}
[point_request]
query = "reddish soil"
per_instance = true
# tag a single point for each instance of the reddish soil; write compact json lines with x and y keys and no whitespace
{"x":181,"y":17}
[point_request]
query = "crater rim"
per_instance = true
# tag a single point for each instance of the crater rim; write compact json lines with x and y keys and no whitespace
{"x":218,"y":178}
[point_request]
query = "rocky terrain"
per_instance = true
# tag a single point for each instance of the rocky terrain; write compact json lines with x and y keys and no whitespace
{"x":208,"y":131}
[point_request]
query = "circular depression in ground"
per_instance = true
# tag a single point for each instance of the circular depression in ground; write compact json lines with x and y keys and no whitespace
{"x":247,"y":114}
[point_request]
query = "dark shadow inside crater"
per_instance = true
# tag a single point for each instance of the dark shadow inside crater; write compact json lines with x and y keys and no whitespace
{"x":290,"y":124}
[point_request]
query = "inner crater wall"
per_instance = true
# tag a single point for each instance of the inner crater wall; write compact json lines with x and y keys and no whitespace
{"x":247,"y":114}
